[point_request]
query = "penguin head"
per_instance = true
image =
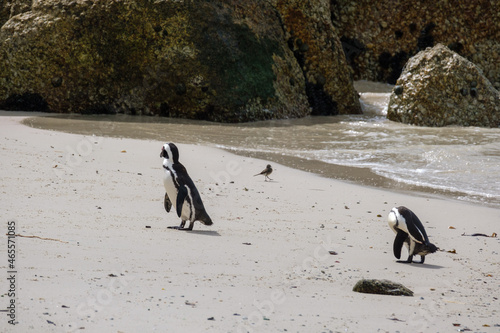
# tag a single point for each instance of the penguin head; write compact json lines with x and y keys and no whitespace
{"x":424,"y":249}
{"x":170,"y":152}
{"x":431,"y":248}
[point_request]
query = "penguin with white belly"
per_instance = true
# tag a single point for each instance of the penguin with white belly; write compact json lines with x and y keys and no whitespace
{"x":180,"y":190}
{"x":409,"y":231}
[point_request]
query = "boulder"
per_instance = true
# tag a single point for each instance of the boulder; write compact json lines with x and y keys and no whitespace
{"x":438,"y":87}
{"x":380,"y":36}
{"x":382,"y":287}
{"x":210,"y":60}
{"x":225,"y":61}
{"x":318,"y":50}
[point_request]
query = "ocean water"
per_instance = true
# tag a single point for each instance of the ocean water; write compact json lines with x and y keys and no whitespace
{"x":456,"y":162}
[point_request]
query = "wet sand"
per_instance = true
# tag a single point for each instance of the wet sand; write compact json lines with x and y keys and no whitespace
{"x":227,"y":135}
{"x":104,"y":260}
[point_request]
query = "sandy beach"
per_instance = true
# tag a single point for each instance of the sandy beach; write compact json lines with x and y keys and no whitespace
{"x":93,"y":252}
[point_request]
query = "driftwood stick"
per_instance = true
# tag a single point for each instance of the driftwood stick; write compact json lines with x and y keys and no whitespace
{"x":43,"y":238}
{"x":494,"y":235}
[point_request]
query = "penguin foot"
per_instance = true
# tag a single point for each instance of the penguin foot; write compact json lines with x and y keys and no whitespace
{"x":410,"y":260}
{"x":407,"y":261}
{"x":175,"y":227}
{"x":180,"y":228}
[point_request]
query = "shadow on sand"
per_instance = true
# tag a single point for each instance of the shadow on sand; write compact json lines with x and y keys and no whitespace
{"x":426,"y":266}
{"x":204,"y":232}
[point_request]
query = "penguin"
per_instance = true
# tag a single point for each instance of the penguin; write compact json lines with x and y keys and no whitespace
{"x":266,"y":172}
{"x":180,"y":191}
{"x":409,"y":230}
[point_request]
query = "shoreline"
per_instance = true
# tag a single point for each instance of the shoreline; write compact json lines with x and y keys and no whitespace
{"x":107,"y":262}
{"x":119,"y":127}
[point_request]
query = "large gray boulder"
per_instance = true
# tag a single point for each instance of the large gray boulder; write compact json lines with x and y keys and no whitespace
{"x":438,"y":87}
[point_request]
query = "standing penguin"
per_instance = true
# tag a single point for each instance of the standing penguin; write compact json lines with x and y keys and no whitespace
{"x":181,"y":191}
{"x":409,"y":230}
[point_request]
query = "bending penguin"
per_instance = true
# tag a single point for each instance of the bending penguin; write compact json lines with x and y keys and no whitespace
{"x":180,"y":190}
{"x":409,"y":230}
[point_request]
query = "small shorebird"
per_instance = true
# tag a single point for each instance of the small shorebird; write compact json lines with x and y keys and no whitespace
{"x":266,"y":172}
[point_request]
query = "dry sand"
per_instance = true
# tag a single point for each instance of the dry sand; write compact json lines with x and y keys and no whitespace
{"x":106,"y":261}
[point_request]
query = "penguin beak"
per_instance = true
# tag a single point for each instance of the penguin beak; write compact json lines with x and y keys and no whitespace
{"x":162,"y":154}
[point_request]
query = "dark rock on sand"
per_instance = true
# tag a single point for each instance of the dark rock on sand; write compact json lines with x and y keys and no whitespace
{"x":382,"y":287}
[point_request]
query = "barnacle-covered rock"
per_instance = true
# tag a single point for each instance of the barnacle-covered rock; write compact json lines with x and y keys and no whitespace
{"x":438,"y":87}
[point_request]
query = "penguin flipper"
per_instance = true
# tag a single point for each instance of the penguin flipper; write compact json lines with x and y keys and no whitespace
{"x":398,"y":243}
{"x":167,"y":203}
{"x":181,"y":196}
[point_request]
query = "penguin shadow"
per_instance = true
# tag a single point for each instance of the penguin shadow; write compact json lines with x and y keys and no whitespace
{"x":430,"y":266}
{"x":204,"y":232}
{"x":423,"y":266}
